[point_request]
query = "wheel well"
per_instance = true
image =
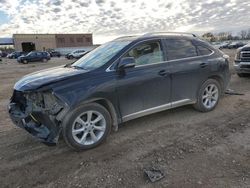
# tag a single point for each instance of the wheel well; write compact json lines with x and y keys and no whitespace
{"x":109,"y":106}
{"x":219,"y":79}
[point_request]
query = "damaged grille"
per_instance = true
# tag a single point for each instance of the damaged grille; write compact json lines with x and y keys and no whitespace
{"x":29,"y":102}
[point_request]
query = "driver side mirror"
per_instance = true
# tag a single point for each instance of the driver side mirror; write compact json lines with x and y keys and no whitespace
{"x":126,"y":62}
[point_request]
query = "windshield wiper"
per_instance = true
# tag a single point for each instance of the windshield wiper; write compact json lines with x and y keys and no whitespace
{"x":68,"y":64}
{"x":77,"y":67}
{"x":73,"y":66}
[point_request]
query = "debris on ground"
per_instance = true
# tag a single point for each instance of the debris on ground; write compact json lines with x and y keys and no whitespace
{"x":232,"y":92}
{"x":154,"y":174}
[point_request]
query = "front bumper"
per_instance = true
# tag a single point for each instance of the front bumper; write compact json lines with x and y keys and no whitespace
{"x":242,"y":67}
{"x":39,"y":123}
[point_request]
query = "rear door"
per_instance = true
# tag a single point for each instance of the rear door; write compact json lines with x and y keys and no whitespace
{"x":188,"y":68}
{"x":146,"y":87}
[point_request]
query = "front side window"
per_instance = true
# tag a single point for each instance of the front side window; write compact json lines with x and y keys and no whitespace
{"x":180,"y":48}
{"x":146,"y":53}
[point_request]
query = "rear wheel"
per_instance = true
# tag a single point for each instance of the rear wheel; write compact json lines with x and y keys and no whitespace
{"x":208,"y":96}
{"x":87,"y":126}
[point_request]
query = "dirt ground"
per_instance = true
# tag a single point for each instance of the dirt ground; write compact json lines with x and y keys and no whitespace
{"x":192,"y":149}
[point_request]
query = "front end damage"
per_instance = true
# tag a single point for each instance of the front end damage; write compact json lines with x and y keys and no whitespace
{"x":39,"y":113}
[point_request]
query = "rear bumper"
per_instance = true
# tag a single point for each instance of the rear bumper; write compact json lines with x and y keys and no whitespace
{"x":38,"y":124}
{"x":242,"y":67}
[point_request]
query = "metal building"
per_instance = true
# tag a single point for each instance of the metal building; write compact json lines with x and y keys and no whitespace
{"x":42,"y":42}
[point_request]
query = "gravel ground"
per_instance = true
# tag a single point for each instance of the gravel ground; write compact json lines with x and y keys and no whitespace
{"x":192,"y":149}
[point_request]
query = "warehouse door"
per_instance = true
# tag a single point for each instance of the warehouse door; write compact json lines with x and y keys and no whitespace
{"x":28,"y":46}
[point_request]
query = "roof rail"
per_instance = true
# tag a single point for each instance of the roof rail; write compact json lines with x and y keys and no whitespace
{"x":179,"y":33}
{"x":124,"y":37}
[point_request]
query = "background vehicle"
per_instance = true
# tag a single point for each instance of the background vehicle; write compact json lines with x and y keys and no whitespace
{"x":4,"y":54}
{"x":216,"y":44}
{"x":224,"y":45}
{"x":236,"y":45}
{"x":76,"y":54}
{"x":15,"y":55}
{"x":54,"y":53}
{"x":119,"y":81}
{"x":242,"y":61}
{"x":34,"y":56}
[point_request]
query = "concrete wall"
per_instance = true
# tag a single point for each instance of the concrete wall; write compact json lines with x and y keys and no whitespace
{"x":41,"y":41}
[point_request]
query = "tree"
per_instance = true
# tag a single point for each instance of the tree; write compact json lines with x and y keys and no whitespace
{"x":209,"y":36}
{"x":248,"y":34}
{"x":243,"y":34}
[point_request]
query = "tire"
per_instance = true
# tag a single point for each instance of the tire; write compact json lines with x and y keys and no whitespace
{"x":79,"y":136}
{"x":25,"y":61}
{"x":71,"y":57}
{"x":44,"y":60}
{"x":208,"y":96}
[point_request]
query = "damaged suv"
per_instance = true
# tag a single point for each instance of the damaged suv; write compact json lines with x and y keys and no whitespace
{"x":119,"y":81}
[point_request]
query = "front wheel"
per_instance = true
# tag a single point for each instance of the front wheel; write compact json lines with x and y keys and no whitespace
{"x":25,"y":61}
{"x":87,"y":126}
{"x":44,"y":60}
{"x":208,"y":96}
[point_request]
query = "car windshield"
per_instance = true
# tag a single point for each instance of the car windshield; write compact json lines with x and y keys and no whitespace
{"x":100,"y":55}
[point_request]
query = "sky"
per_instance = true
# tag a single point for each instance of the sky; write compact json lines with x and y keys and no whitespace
{"x":108,"y":19}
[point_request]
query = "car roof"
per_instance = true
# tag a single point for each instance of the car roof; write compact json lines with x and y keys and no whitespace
{"x":157,"y":35}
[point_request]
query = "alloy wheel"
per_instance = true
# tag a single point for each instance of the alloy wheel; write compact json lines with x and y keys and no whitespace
{"x":89,"y":127}
{"x":210,"y":96}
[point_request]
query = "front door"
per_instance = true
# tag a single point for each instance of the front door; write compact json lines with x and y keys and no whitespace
{"x":145,"y":88}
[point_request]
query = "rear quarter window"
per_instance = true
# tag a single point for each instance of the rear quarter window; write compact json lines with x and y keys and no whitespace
{"x":179,"y":49}
{"x":203,"y":50}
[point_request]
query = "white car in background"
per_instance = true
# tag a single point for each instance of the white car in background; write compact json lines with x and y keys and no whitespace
{"x":76,"y":54}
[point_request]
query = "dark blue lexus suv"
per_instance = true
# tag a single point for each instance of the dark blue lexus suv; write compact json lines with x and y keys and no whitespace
{"x":33,"y":57}
{"x":119,"y":81}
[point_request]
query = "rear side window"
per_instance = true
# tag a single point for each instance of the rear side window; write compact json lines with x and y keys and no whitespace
{"x":180,"y":48}
{"x":203,"y":50}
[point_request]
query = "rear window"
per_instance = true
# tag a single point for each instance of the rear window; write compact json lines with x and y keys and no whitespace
{"x":180,"y":48}
{"x":203,"y":50}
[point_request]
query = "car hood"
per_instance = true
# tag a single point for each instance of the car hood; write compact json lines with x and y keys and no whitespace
{"x":38,"y":79}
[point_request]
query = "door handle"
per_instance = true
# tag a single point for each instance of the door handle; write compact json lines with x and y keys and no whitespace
{"x":163,"y":72}
{"x":203,"y":65}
